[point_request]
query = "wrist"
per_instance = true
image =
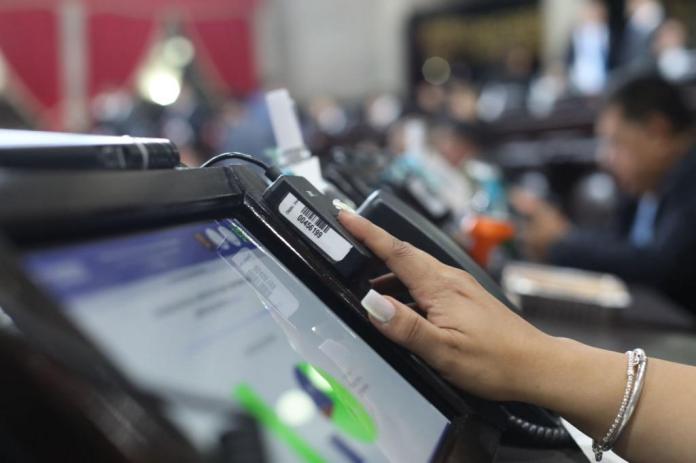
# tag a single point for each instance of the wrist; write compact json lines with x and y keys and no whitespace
{"x":581,"y":383}
{"x":527,"y":368}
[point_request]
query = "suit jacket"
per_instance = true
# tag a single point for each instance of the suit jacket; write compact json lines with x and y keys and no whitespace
{"x":668,"y":263}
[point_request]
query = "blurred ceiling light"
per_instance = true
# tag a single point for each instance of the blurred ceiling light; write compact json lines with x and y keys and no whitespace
{"x":161,"y":86}
{"x":295,"y":408}
{"x":178,"y":51}
{"x":436,"y":70}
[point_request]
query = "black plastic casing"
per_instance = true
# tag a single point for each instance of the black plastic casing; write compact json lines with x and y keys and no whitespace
{"x":389,"y":212}
{"x":357,"y":258}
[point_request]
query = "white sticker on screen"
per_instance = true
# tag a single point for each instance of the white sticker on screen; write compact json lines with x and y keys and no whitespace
{"x":265,"y":283}
{"x":314,"y":227}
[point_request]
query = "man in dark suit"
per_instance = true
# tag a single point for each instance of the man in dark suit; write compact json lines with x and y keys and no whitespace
{"x":647,"y":142}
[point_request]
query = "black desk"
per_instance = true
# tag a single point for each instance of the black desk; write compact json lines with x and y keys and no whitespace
{"x":660,"y":327}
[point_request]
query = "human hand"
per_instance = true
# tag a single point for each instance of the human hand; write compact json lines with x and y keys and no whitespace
{"x":465,"y":333}
{"x":545,"y":224}
{"x":479,"y":345}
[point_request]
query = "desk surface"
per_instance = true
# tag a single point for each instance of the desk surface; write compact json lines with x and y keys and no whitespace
{"x":651,"y":322}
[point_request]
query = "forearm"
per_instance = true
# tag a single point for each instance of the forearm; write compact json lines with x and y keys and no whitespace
{"x":585,"y":385}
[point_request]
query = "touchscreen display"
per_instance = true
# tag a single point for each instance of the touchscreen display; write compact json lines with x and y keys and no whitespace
{"x":204,"y":311}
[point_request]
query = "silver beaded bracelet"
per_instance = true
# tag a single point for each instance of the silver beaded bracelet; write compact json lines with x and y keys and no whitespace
{"x":635,"y":373}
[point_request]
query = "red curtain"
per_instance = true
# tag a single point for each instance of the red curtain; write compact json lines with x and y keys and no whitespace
{"x":120,"y":33}
{"x":117,"y":45}
{"x":226,"y":52}
{"x":196,"y":8}
{"x":33,"y":57}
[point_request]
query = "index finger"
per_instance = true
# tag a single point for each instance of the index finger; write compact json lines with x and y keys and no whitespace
{"x":411,"y":265}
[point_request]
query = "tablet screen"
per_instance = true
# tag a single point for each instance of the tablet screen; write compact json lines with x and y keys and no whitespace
{"x":204,"y":311}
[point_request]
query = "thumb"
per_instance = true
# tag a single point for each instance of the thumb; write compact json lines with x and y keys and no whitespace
{"x":404,"y":326}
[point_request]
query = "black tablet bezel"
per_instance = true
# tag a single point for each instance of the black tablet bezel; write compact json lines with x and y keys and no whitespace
{"x":60,"y":208}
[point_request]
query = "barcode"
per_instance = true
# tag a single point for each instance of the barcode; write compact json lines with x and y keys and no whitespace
{"x":307,"y":212}
{"x":314,"y":228}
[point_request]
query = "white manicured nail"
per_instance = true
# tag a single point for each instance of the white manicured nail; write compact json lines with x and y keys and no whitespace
{"x":378,"y":306}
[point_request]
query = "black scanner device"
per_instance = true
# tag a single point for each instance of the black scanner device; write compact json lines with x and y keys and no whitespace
{"x":315,"y":217}
{"x":401,"y":220}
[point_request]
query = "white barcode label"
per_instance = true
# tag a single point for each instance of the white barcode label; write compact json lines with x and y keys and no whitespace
{"x":314,"y":227}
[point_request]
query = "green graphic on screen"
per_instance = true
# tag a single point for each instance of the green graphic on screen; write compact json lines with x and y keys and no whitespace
{"x":332,"y":399}
{"x":254,"y":404}
{"x":336,"y":403}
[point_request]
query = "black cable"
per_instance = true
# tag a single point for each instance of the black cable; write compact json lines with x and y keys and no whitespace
{"x":272,"y":172}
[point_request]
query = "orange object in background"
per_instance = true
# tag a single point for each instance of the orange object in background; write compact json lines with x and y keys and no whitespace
{"x":486,"y":234}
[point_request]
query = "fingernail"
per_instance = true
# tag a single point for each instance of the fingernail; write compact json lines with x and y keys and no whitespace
{"x":378,"y":306}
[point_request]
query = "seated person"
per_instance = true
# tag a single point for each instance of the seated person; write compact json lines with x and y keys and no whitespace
{"x":464,"y":148}
{"x":646,"y":142}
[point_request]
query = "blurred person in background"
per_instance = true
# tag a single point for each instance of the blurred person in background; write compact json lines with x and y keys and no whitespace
{"x":509,"y":91}
{"x":246,"y":127}
{"x":643,"y":19}
{"x":458,"y":142}
{"x":547,"y":89}
{"x":588,"y":53}
{"x":647,"y":143}
{"x":674,"y":60}
{"x":118,"y":112}
{"x":465,"y":148}
{"x":430,"y":100}
{"x":325,"y":123}
{"x":474,"y":189}
{"x":186,"y":123}
{"x":462,"y":102}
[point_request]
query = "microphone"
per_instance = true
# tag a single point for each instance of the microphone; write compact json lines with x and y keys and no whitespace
{"x":27,"y":149}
